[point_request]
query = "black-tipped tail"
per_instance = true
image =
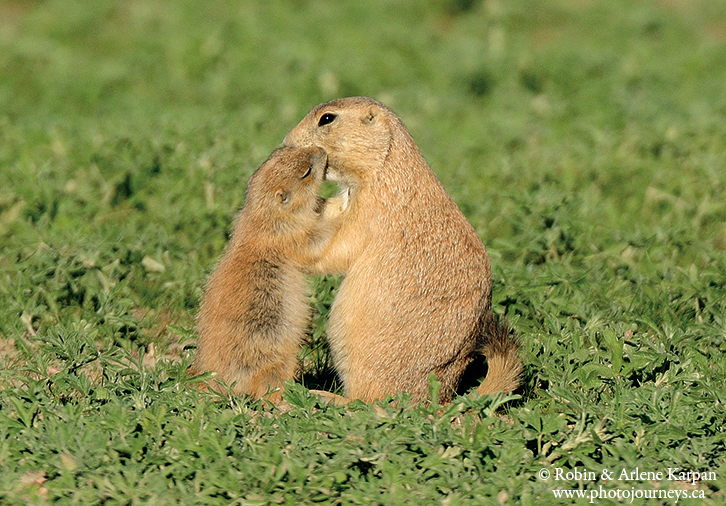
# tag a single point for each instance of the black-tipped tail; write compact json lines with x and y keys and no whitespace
{"x":500,"y":346}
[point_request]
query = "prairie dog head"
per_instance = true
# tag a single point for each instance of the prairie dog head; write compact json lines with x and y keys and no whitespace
{"x":356,"y":134}
{"x":286,"y":186}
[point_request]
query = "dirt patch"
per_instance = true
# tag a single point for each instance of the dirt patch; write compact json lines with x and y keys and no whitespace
{"x":8,"y":351}
{"x":12,"y":13}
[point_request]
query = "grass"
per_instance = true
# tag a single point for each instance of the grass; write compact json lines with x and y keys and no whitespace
{"x":585,"y":141}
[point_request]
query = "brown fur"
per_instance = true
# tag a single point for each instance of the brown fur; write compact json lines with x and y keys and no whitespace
{"x":416,"y":298}
{"x":255,"y":310}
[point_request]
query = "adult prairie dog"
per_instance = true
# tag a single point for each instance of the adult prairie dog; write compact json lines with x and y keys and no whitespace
{"x":255,"y":310}
{"x":416,"y":297}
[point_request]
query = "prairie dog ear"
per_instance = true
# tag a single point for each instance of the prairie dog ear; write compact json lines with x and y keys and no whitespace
{"x":371,"y":115}
{"x":317,"y":157}
{"x":282,"y":197}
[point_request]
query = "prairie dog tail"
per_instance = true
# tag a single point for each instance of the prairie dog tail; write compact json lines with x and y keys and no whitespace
{"x":501,"y":348}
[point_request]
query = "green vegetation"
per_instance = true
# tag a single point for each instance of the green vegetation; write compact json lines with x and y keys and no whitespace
{"x":585,"y":141}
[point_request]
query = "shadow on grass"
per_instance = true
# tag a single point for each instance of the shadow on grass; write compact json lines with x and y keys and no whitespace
{"x":325,"y":379}
{"x":477,"y":371}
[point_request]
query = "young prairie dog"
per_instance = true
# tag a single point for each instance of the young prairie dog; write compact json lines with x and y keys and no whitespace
{"x":255,"y":309}
{"x":416,"y":297}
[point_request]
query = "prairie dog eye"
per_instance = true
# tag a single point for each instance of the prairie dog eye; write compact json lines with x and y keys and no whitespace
{"x":327,"y":118}
{"x":307,"y":172}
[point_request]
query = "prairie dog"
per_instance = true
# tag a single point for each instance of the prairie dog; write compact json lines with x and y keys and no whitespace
{"x":255,"y":309}
{"x":416,"y":297}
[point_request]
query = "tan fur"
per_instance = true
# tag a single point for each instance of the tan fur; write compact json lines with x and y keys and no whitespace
{"x":255,"y":310}
{"x":416,"y":297}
